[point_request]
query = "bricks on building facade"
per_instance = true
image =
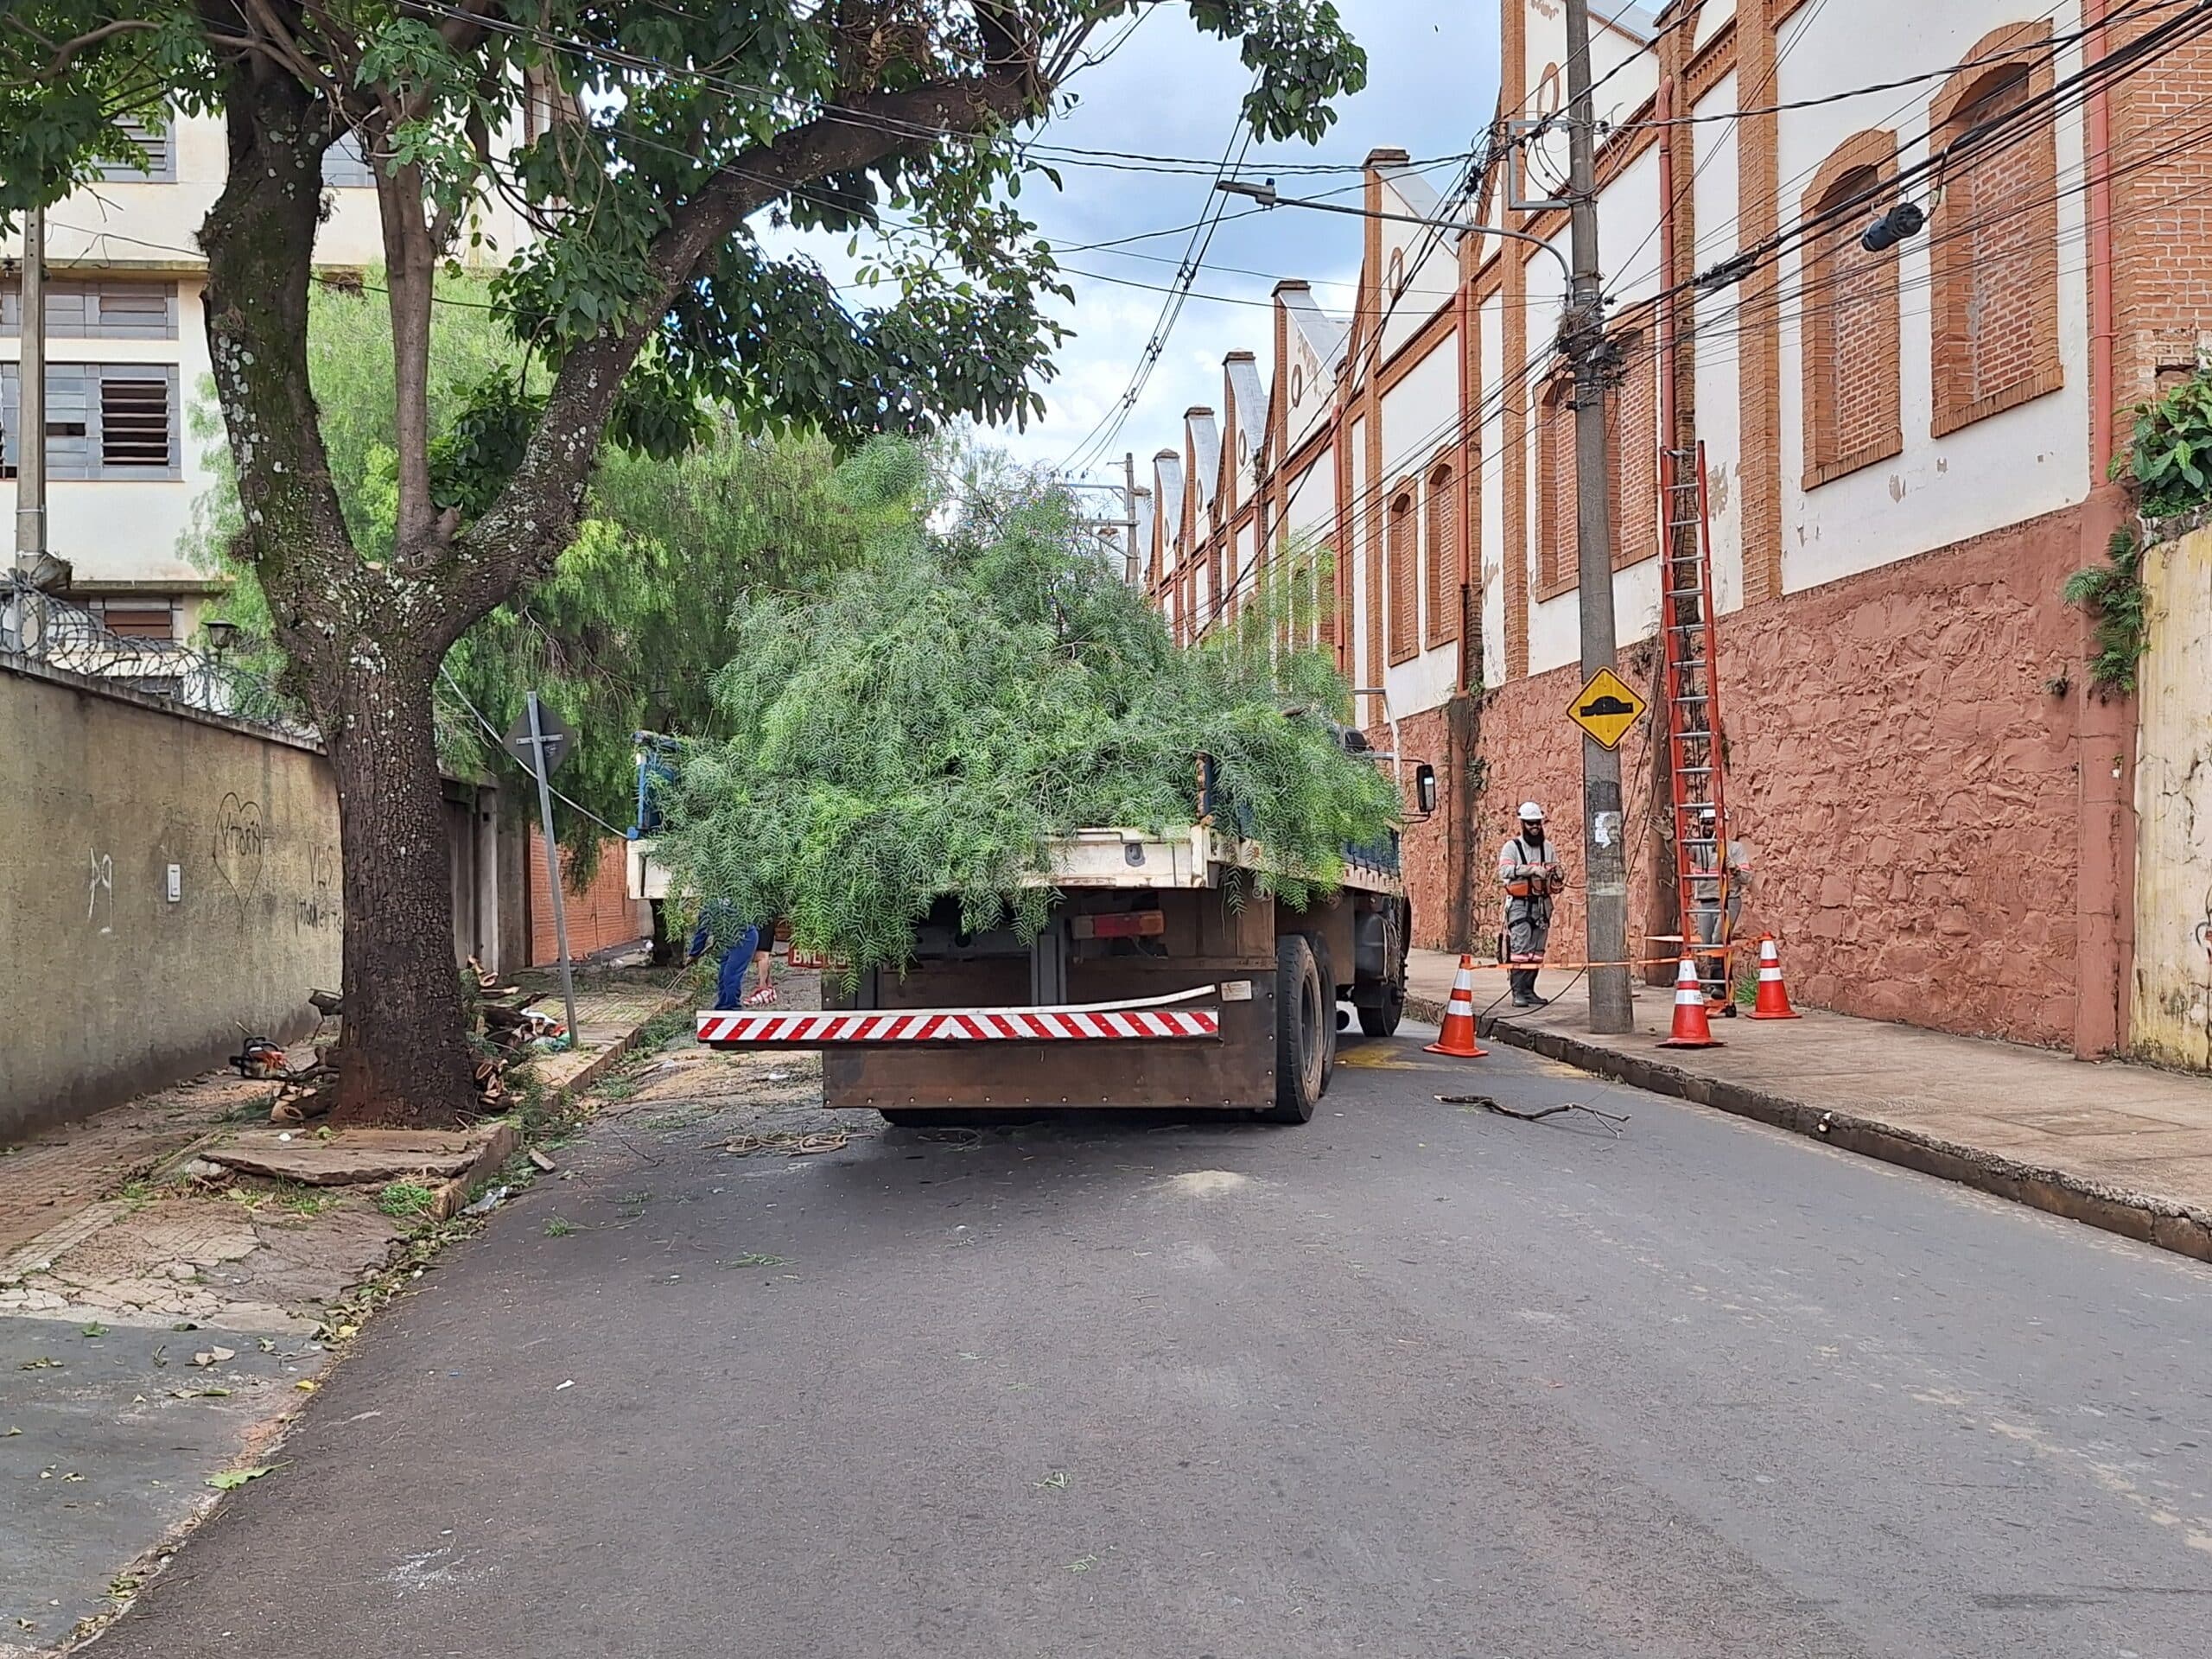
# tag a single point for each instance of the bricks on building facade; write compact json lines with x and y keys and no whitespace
{"x":1902,"y":458}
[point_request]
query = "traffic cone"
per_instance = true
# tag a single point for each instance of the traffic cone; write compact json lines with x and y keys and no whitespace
{"x":1458,"y":1037}
{"x":1774,"y":995}
{"x":1691,"y":1028}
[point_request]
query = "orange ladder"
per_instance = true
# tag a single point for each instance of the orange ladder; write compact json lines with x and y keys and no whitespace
{"x":1694,"y":744}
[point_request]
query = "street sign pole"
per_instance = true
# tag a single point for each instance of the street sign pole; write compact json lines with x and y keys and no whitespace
{"x":539,"y":767}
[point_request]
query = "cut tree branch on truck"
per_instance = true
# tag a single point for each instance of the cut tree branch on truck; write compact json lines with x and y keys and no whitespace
{"x":978,"y":773}
{"x":638,"y":142}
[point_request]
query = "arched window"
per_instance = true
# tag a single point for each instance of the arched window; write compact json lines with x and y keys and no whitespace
{"x":1848,"y":306}
{"x":1397,"y":271}
{"x":1442,"y":533}
{"x":1632,"y":419}
{"x":1993,"y":236}
{"x":1297,"y":382}
{"x":1555,"y":516}
{"x":1404,"y":580}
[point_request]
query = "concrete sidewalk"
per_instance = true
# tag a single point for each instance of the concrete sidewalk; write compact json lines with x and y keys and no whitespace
{"x":2120,"y":1147}
{"x":161,"y":1318}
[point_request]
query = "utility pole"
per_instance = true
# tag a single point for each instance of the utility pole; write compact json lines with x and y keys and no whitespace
{"x":1606,"y":921}
{"x":30,"y":405}
{"x":1129,"y":508}
{"x":542,"y":766}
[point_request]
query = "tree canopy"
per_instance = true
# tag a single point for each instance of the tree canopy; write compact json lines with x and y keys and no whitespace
{"x":626,"y":633}
{"x":928,"y":723}
{"x":645,"y":146}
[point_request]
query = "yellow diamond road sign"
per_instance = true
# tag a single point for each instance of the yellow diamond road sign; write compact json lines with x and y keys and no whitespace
{"x":1606,"y":708}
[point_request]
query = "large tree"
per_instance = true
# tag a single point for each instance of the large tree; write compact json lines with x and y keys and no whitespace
{"x":637,"y":614}
{"x":645,"y":142}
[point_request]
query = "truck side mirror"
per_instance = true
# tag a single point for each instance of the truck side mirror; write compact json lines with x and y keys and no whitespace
{"x":1425,"y":788}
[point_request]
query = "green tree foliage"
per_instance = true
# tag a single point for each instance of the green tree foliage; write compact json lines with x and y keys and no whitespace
{"x":626,"y":633}
{"x":643,"y":145}
{"x":2169,"y":450}
{"x":946,"y":708}
{"x":2113,"y":596}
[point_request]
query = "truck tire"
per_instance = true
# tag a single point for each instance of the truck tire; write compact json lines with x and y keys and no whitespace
{"x":1382,"y":1007}
{"x":1304,"y":1031}
{"x":1382,"y":1022}
{"x":1331,"y":1018}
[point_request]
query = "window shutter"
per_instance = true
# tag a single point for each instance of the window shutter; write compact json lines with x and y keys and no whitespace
{"x":156,"y":144}
{"x":8,"y":403}
{"x":135,"y":420}
{"x":69,"y":420}
{"x":133,"y":311}
{"x":343,"y":166}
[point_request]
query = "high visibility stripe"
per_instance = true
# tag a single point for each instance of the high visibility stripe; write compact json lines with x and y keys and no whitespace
{"x":839,"y":1028}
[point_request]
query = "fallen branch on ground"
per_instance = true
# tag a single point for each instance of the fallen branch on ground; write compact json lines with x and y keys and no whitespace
{"x":1611,"y":1120}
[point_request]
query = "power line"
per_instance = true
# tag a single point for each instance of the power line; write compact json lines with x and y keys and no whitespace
{"x":1102,"y":435}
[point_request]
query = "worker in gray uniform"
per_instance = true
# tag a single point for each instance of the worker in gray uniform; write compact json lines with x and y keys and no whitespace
{"x":1530,"y":876}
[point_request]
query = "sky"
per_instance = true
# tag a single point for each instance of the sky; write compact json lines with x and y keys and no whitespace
{"x":1432,"y":86}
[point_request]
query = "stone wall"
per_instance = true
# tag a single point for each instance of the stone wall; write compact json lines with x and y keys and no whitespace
{"x":1900,"y":768}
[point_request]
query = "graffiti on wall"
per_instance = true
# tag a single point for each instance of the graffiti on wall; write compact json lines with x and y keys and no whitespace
{"x":102,"y":887}
{"x":318,"y":906}
{"x":241,"y":843}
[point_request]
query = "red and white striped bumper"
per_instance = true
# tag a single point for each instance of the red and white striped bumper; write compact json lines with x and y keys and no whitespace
{"x":1148,"y":1021}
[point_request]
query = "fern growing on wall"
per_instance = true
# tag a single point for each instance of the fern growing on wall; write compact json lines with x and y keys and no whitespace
{"x":972,"y":691}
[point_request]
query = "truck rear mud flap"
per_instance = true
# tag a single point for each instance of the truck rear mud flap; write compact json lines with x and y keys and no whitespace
{"x":1169,"y":1019}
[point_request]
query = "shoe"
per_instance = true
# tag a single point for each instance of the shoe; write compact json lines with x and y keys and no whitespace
{"x":1535,"y":1001}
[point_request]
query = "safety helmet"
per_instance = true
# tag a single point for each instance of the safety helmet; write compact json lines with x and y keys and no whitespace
{"x":1531,"y":813}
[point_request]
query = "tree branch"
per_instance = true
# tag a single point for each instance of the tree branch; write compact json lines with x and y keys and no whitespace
{"x":526,"y":528}
{"x":68,"y":51}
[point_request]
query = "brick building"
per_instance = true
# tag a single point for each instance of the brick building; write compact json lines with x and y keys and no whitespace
{"x":1906,"y":456}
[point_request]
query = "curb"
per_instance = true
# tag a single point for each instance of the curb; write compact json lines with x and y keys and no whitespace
{"x":605,"y":1060}
{"x":2164,"y":1223}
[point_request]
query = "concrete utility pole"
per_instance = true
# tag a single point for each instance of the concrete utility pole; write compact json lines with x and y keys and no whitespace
{"x":1129,"y":508}
{"x":31,"y":403}
{"x":1606,"y":923}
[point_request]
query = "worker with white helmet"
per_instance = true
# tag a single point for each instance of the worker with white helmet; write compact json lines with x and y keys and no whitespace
{"x":1720,"y":875}
{"x":1530,"y":876}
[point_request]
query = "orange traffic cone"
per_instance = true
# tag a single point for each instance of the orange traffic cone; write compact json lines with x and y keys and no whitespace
{"x":1774,"y":995}
{"x":1458,"y":1037}
{"x":1691,"y":1028}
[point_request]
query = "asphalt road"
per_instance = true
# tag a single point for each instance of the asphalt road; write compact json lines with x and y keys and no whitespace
{"x":1410,"y":1380}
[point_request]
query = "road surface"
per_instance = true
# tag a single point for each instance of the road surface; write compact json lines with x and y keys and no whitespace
{"x":1411,"y":1381}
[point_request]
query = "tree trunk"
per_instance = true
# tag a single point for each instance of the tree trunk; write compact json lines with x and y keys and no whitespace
{"x":405,"y":1057}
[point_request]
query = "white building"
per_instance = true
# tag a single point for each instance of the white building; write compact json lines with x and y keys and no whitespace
{"x":127,"y":365}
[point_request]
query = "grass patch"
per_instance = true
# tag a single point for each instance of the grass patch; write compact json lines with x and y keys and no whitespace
{"x":558,"y":1227}
{"x":293,"y":1198}
{"x":756,"y":1259}
{"x":406,"y":1200}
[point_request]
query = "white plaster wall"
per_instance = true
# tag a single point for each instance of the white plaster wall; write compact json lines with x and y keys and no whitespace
{"x":1432,"y":267}
{"x":1421,"y":413}
{"x":1492,"y":552}
{"x":1717,"y":358}
{"x":1620,"y":95}
{"x":2029,"y":460}
{"x":1354,"y":557}
{"x":1715,"y":13}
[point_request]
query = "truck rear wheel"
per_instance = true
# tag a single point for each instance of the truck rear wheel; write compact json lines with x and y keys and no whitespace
{"x":1304,"y":1025}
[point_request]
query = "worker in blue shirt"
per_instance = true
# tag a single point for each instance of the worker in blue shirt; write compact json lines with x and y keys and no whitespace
{"x":718,"y":923}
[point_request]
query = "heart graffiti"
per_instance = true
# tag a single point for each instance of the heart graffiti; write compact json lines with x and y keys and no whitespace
{"x":241,"y":839}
